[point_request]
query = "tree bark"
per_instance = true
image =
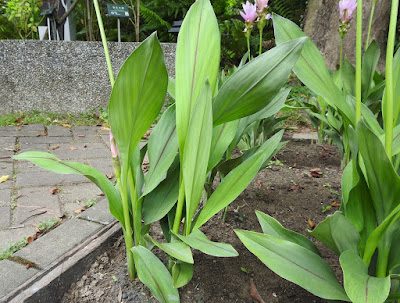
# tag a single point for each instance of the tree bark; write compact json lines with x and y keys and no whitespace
{"x":321,"y":25}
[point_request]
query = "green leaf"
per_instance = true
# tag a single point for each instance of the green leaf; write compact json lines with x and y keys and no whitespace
{"x":337,"y":232}
{"x":237,"y":180}
{"x":294,"y":263}
{"x":348,"y":77}
{"x":162,"y":149}
{"x":272,"y":227}
{"x":177,"y":249}
{"x":199,"y":241}
{"x":197,"y":59}
{"x":182,"y":273}
{"x":154,"y":275}
{"x":370,"y":61}
{"x":359,"y":286}
{"x":136,"y":98}
{"x":197,"y":150}
{"x":256,"y":84}
{"x":222,"y":136}
{"x":52,"y":163}
{"x":396,"y":85}
{"x":160,"y":201}
{"x":311,"y":68}
{"x":171,"y":87}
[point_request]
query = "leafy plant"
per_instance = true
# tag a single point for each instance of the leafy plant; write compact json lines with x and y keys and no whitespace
{"x":11,"y":248}
{"x":198,"y":125}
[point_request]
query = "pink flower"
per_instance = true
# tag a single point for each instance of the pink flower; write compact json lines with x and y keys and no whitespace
{"x":346,"y":8}
{"x":113,"y":146}
{"x":261,"y":5}
{"x":250,"y":12}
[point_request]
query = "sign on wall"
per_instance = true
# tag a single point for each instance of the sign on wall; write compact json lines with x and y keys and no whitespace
{"x":118,"y":10}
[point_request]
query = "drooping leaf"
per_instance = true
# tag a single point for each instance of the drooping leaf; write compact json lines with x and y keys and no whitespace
{"x":359,"y":286}
{"x":197,"y":150}
{"x":369,"y":63}
{"x":136,"y":99}
{"x":197,"y":59}
{"x":199,"y":241}
{"x":294,"y":263}
{"x":272,"y":227}
{"x":177,"y":249}
{"x":162,"y":149}
{"x":256,"y":84}
{"x":237,"y":180}
{"x":182,"y":273}
{"x":52,"y":163}
{"x":154,"y":275}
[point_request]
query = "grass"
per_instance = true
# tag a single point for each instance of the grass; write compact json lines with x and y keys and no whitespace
{"x":91,"y":117}
{"x":11,"y":248}
{"x":47,"y":225}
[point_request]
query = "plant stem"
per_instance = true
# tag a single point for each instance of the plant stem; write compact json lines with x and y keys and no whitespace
{"x":179,"y":207}
{"x":104,"y":40}
{"x":136,"y":211}
{"x":388,"y":123}
{"x":381,"y":266}
{"x":358,"y":60}
{"x":260,"y":50}
{"x":370,"y":23}
{"x":341,"y":54}
{"x":248,"y":47}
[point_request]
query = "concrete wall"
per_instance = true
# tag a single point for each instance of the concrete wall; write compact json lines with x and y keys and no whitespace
{"x":60,"y":77}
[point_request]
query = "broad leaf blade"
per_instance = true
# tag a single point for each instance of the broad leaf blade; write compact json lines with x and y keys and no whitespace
{"x":197,"y":150}
{"x":256,"y":84}
{"x":359,"y":286}
{"x":154,"y":275}
{"x":136,"y":99}
{"x":199,"y":241}
{"x":177,"y":249}
{"x":369,"y":63}
{"x":272,"y":227}
{"x":52,"y":163}
{"x":162,"y":149}
{"x":294,"y":263}
{"x":182,"y":273}
{"x":197,"y":59}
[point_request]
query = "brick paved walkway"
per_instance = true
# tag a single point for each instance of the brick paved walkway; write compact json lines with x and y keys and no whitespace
{"x":26,"y":198}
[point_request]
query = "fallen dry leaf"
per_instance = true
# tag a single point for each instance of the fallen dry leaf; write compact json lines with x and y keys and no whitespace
{"x":55,"y":147}
{"x":66,"y":125}
{"x":30,"y":239}
{"x":110,"y":176}
{"x":41,"y":135}
{"x":254,"y":292}
{"x":105,"y":128}
{"x":101,"y":195}
{"x":4,"y":178}
{"x":335,"y":204}
{"x":81,"y":136}
{"x":29,"y":265}
{"x":259,"y":182}
{"x":63,"y":216}
{"x":78,"y":211}
{"x":294,"y":188}
{"x":19,"y":196}
{"x":327,"y":149}
{"x":84,"y":146}
{"x":73,"y":148}
{"x":311,"y":224}
{"x":317,"y":169}
{"x":54,"y":191}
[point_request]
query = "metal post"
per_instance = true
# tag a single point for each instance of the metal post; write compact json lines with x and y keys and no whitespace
{"x":119,"y":33}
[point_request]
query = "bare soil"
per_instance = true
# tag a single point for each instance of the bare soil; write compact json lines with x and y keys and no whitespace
{"x":290,"y":190}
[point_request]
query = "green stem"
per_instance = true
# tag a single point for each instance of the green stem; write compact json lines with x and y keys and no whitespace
{"x":381,"y":266}
{"x":341,"y":54}
{"x":388,"y":123}
{"x":358,"y":61}
{"x":128,"y":228}
{"x":104,"y":40}
{"x":248,"y":47}
{"x":224,"y":215}
{"x":370,"y":23}
{"x":261,"y":34}
{"x":136,"y":211}
{"x":179,"y":207}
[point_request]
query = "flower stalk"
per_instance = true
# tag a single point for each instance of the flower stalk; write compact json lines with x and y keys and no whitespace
{"x":358,"y":60}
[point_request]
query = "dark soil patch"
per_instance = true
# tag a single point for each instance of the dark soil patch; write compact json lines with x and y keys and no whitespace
{"x":286,"y":191}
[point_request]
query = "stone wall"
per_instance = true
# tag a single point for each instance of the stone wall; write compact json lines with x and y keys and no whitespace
{"x":61,"y":77}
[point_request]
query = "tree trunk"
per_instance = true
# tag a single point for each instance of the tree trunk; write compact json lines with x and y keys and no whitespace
{"x":321,"y":25}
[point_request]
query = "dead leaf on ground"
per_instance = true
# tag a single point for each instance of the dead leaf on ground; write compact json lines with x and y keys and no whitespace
{"x":63,"y":216}
{"x":29,"y":265}
{"x":19,"y":196}
{"x":335,"y":204}
{"x":79,"y":210}
{"x":110,"y":176}
{"x":101,"y":195}
{"x":311,"y":224}
{"x":316,"y":174}
{"x":294,"y":165}
{"x":30,"y":239}
{"x":294,"y":188}
{"x":66,"y":125}
{"x":4,"y":178}
{"x":73,"y":148}
{"x":54,"y":191}
{"x":327,"y":149}
{"x":105,"y":128}
{"x":81,"y":136}
{"x":41,"y":135}
{"x":84,"y":146}
{"x":55,"y":147}
{"x":254,"y":292}
{"x":317,"y":169}
{"x":259,"y":182}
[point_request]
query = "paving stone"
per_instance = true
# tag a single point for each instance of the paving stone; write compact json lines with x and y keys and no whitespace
{"x":12,"y":275}
{"x":81,"y":154}
{"x":82,"y":146}
{"x":5,"y":196}
{"x":31,"y":130}
{"x":53,"y":245}
{"x":6,"y":184}
{"x":15,"y":234}
{"x":24,"y":166}
{"x":99,"y":213}
{"x":75,"y":197}
{"x":58,"y":131}
{"x":45,"y":139}
{"x":47,"y":178}
{"x":102,"y":165}
{"x":43,"y":147}
{"x":5,"y":216}
{"x":35,"y":205}
{"x":9,"y":131}
{"x":6,"y":153}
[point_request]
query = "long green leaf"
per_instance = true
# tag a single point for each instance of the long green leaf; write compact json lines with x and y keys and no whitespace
{"x":311,"y":68}
{"x":162,"y":149}
{"x":197,"y":59}
{"x":237,"y":180}
{"x":154,"y":275}
{"x":272,"y":227}
{"x":294,"y":263}
{"x":359,"y":286}
{"x":256,"y":84}
{"x":177,"y":249}
{"x":136,"y":98}
{"x":197,"y":150}
{"x":199,"y":241}
{"x":182,"y":273}
{"x":52,"y":163}
{"x":370,"y":61}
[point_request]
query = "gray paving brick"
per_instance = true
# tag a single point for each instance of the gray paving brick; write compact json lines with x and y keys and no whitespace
{"x":58,"y":131}
{"x":45,"y":139}
{"x":53,"y":245}
{"x":12,"y":275}
{"x":103,"y":165}
{"x":7,"y":141}
{"x":43,"y":147}
{"x":47,"y":178}
{"x":16,"y":234}
{"x":31,"y":130}
{"x":99,"y":213}
{"x":5,"y":196}
{"x":24,"y":166}
{"x":76,"y":196}
{"x":5,"y":216}
{"x":81,"y":154}
{"x":9,"y":131}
